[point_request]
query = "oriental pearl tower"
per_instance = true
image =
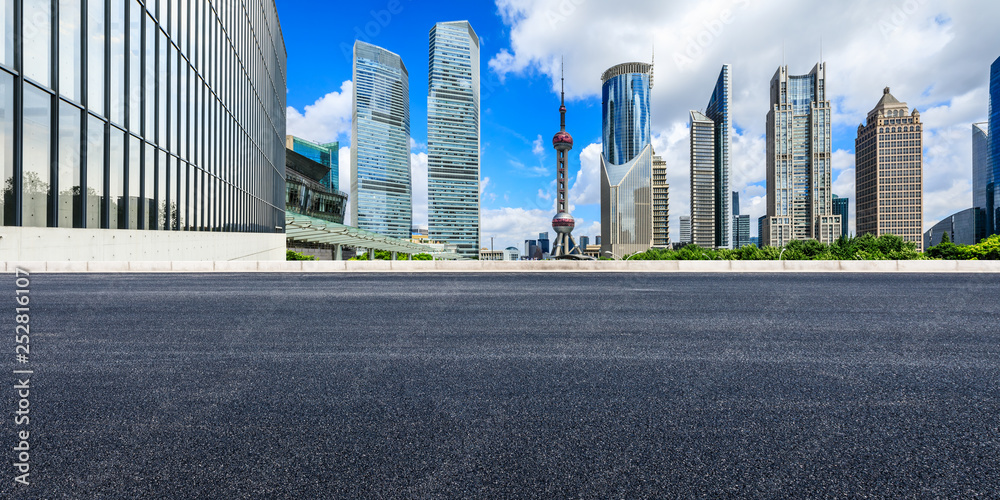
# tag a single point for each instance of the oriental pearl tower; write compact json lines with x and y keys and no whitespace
{"x":563,"y":222}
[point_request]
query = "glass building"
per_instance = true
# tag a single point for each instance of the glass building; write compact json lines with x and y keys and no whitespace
{"x":799,"y":160}
{"x":966,"y":227}
{"x":305,"y":192}
{"x":627,"y":159}
{"x":993,"y":217}
{"x":142,"y":115}
{"x":381,"y":194}
{"x":327,"y":155}
{"x":841,"y":207}
{"x":718,"y":112}
{"x":453,"y":137}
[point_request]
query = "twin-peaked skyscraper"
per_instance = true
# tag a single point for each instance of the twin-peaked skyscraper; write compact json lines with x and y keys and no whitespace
{"x":381,"y":180}
{"x":799,"y":160}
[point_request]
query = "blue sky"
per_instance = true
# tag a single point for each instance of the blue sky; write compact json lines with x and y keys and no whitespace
{"x":934,"y":54}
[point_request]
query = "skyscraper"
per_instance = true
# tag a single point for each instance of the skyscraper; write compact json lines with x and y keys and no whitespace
{"x":324,"y":154}
{"x":627,"y":159}
{"x":453,"y":137}
{"x":889,"y":165}
{"x":799,"y":160}
{"x":661,"y":203}
{"x":736,"y":202}
{"x":982,"y":169}
{"x":993,"y":218}
{"x":718,"y":111}
{"x":703,"y":222}
{"x":710,"y":144}
{"x":741,"y":230}
{"x":685,"y":229}
{"x":841,"y":207}
{"x":381,"y":194}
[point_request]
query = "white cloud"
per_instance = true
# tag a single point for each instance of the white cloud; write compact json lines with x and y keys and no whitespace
{"x":326,"y":120}
{"x":345,"y":179}
{"x":586,"y":188}
{"x":536,"y":146}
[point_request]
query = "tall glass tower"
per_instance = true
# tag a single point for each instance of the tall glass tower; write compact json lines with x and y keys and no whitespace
{"x":993,"y":218}
{"x":627,"y":160}
{"x":982,"y":168}
{"x":381,"y":194}
{"x":718,"y":112}
{"x":453,"y":137}
{"x":799,"y":197}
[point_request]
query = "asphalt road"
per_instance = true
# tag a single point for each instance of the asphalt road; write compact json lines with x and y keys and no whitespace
{"x":510,"y":386}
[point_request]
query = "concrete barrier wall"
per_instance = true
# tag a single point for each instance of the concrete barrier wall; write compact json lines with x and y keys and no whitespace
{"x":381,"y":266}
{"x":90,"y":246}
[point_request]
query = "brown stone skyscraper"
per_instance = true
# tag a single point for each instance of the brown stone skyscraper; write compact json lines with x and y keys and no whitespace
{"x":889,"y":169}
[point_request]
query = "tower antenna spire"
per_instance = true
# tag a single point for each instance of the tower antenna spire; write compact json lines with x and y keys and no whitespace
{"x":562,"y":96}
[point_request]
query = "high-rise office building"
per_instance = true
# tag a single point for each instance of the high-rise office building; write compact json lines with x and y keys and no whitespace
{"x":993,"y":218}
{"x":453,"y":137}
{"x":685,"y":229}
{"x":741,"y":230}
{"x":889,"y":165}
{"x":710,"y":143}
{"x":381,"y":194}
{"x":702,"y":132}
{"x":718,"y":111}
{"x":125,"y":137}
{"x":761,"y":242}
{"x":982,"y":169}
{"x":327,"y":155}
{"x":627,"y":159}
{"x":661,"y":203}
{"x":543,"y":242}
{"x":584,"y":241}
{"x":799,"y":160}
{"x":841,"y":207}
{"x":739,"y":238}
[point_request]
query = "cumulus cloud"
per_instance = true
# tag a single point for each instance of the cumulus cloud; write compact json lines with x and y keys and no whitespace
{"x":934,"y":54}
{"x":326,"y":120}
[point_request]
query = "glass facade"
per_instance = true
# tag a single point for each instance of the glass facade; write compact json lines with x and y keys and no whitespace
{"x":718,"y":112}
{"x":982,"y":169}
{"x":128,"y":114}
{"x":327,"y":155}
{"x":799,"y":160}
{"x":626,"y":125}
{"x":627,"y":161}
{"x":381,"y":195}
{"x":841,"y":207}
{"x":453,"y":137}
{"x":993,"y":218}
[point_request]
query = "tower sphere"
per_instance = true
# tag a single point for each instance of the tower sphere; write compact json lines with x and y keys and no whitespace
{"x":563,"y":223}
{"x":562,"y":140}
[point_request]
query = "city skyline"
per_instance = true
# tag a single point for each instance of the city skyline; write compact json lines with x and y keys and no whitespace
{"x":518,"y":196}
